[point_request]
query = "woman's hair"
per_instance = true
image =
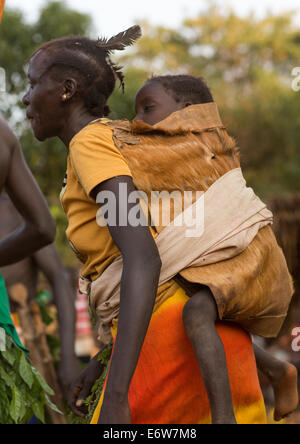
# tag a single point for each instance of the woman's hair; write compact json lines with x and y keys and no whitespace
{"x":89,"y":61}
{"x":185,"y":88}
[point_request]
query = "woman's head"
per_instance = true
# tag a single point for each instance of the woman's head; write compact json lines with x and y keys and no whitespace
{"x":72,"y":72}
{"x":163,"y":95}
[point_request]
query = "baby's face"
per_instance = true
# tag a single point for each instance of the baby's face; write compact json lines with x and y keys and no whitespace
{"x":153,"y":103}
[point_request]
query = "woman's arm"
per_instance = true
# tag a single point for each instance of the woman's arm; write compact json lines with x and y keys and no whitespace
{"x":39,"y":228}
{"x":141,"y":270}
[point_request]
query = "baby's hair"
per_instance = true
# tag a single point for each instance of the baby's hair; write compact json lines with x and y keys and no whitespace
{"x":89,"y":61}
{"x":185,"y":88}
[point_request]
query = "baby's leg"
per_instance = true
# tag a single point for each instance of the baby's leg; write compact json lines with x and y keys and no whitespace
{"x":283,"y":378}
{"x":199,"y":317}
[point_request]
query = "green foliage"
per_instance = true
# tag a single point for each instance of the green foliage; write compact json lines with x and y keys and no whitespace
{"x":122,"y":105}
{"x":247,"y":62}
{"x":93,"y":399}
{"x":58,"y":20}
{"x":23,"y":391}
{"x":18,"y":41}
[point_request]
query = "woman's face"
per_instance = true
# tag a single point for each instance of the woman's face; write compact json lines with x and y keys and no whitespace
{"x":153,"y":104}
{"x":43,"y":100}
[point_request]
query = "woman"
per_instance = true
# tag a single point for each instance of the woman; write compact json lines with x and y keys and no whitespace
{"x":71,"y":80}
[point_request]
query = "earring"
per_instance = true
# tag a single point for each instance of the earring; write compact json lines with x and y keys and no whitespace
{"x":64,"y":97}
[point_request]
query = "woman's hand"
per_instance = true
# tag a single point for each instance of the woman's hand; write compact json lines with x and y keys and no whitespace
{"x":82,"y":387}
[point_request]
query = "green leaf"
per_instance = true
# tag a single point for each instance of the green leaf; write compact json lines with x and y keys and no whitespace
{"x":23,"y":411}
{"x":22,"y":390}
{"x":4,"y":403}
{"x":46,"y":318}
{"x":26,"y":371}
{"x":16,"y":405}
{"x":42,"y":382}
{"x":52,"y":406}
{"x":9,"y":342}
{"x":38,"y":410}
{"x":104,"y":356}
{"x":9,"y":356}
{"x":9,"y":381}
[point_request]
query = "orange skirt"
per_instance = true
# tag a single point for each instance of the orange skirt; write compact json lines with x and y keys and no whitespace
{"x":167,"y":387}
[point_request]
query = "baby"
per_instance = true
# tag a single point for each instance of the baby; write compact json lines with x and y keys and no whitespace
{"x":155,"y":104}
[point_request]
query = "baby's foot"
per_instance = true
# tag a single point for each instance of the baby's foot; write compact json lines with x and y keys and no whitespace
{"x":286,"y":391}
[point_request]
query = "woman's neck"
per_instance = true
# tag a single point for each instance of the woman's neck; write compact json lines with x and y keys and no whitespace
{"x":74,"y":123}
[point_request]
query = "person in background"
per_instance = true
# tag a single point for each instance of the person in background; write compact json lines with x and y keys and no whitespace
{"x":26,"y":272}
{"x":36,"y":232}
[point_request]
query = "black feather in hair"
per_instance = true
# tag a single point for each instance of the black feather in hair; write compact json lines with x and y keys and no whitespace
{"x":120,"y":41}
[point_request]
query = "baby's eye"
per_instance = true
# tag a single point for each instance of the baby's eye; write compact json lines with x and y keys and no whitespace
{"x":148,"y":108}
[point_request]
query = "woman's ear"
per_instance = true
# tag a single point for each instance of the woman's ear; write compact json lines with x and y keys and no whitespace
{"x":70,"y":88}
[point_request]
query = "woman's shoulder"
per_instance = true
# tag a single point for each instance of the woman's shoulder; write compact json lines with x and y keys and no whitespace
{"x":95,"y":131}
{"x":94,"y":155}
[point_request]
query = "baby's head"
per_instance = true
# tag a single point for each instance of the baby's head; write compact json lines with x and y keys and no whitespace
{"x":162,"y":96}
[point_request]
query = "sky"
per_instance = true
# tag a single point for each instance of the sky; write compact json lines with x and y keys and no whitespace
{"x":112,"y":16}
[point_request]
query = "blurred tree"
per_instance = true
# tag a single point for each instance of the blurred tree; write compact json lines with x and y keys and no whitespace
{"x":122,"y":105}
{"x":18,"y":40}
{"x":246,"y":61}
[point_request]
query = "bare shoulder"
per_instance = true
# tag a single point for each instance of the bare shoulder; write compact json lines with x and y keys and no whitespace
{"x":8,"y":143}
{"x":6,"y":134}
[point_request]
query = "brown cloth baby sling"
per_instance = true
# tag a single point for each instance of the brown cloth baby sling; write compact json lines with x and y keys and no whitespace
{"x":190,"y":151}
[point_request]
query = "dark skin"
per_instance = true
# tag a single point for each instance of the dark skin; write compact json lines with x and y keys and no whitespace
{"x":38,"y":229}
{"x":26,"y":272}
{"x":153,"y":104}
{"x":56,"y":109}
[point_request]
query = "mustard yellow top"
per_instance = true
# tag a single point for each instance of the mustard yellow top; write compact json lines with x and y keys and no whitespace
{"x":93,"y":158}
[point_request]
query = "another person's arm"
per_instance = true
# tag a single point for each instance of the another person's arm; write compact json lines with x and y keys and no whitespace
{"x":49,"y":262}
{"x":39,"y":228}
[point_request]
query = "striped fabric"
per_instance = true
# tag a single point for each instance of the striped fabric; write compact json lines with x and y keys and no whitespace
{"x":83,"y":322}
